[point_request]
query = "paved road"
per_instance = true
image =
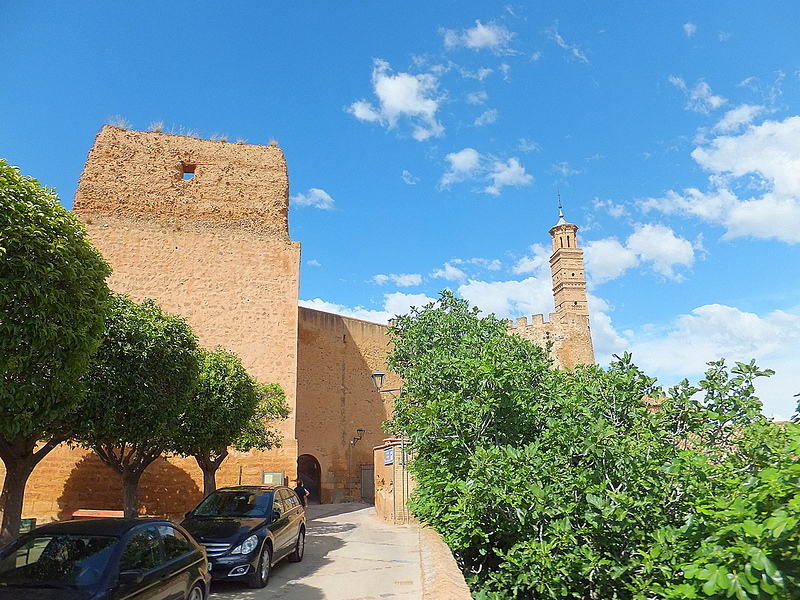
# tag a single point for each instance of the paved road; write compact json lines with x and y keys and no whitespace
{"x":351,"y":554}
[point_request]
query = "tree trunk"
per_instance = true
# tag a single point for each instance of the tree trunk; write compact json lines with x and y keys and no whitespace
{"x":130,"y":489}
{"x":129,"y":462}
{"x":209,"y":465}
{"x":20,"y":459}
{"x":12,"y":497}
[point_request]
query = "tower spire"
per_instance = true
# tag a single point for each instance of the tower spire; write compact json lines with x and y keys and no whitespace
{"x":561,"y":220}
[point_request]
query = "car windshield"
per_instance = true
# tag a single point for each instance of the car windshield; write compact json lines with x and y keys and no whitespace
{"x":50,"y":559}
{"x":230,"y":503}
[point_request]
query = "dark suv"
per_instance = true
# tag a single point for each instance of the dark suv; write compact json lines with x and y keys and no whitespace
{"x":247,"y":529}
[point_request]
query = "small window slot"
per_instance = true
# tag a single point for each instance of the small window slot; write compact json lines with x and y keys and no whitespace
{"x":188,"y":171}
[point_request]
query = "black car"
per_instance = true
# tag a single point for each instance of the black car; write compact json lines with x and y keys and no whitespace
{"x":247,"y":529}
{"x":104,"y":559}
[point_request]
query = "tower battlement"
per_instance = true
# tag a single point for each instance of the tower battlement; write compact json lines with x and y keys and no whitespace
{"x":187,"y":181}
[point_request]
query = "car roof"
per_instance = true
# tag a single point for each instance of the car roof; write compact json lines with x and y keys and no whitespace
{"x":96,"y":526}
{"x":250,"y":488}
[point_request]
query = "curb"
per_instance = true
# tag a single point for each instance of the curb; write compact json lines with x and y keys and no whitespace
{"x":441,"y":577}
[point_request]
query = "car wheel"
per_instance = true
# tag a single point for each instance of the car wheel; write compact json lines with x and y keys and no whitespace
{"x":300,"y":547}
{"x":260,"y":578}
{"x":196,"y":593}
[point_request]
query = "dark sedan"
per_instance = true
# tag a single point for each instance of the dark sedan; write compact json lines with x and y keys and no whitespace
{"x":247,"y":529}
{"x":104,"y":559}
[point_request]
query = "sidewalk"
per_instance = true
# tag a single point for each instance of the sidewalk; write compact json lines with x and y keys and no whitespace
{"x":352,"y":554}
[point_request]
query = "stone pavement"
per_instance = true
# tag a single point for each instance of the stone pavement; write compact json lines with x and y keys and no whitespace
{"x":352,"y":554}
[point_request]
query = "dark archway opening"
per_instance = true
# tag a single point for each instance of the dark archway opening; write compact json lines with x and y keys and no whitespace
{"x":309,"y":471}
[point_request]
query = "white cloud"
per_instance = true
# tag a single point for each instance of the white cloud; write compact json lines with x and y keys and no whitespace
{"x":538,"y":263}
{"x":486,"y":117}
{"x":526,"y":145}
{"x":659,"y":245}
{"x":463,"y":165}
{"x":689,"y":29}
{"x":607,"y":259}
{"x":736,"y":117}
{"x":574,"y":50}
{"x":700,"y":98}
{"x":403,"y":280}
{"x":450,"y":273}
{"x":491,"y":36}
{"x":507,"y":173}
{"x":507,"y":299}
{"x":762,"y":162}
{"x":402,"y":95}
{"x":484,"y":263}
{"x":399,"y":303}
{"x":315,"y":197}
{"x":469,"y":164}
{"x":477,"y":97}
{"x":480,"y":74}
{"x":613,"y":209}
{"x":565,"y":169}
{"x":409,"y":178}
{"x":536,"y":56}
{"x":715,"y":331}
{"x":395,"y":304}
{"x":605,"y":340}
{"x":313,"y":263}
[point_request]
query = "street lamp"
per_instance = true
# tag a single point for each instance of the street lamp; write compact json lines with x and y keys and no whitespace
{"x":377,"y":381}
{"x":359,"y":436}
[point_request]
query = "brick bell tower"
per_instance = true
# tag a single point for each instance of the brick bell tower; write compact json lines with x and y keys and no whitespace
{"x":567,"y":333}
{"x":566,"y":267}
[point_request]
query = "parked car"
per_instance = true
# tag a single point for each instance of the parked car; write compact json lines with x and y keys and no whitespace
{"x":104,"y":559}
{"x":246,"y":530}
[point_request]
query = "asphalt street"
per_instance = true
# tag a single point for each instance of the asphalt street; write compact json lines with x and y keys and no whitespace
{"x":351,"y":554}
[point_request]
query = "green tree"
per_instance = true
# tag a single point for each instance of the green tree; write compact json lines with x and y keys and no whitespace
{"x":141,"y":381}
{"x":554,"y":484}
{"x":229,"y":408}
{"x":52,"y":304}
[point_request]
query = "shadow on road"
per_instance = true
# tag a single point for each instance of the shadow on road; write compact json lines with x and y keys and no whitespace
{"x":291,"y":580}
{"x":320,"y":541}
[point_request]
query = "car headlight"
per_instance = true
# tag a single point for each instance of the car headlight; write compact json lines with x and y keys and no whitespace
{"x":247,"y":546}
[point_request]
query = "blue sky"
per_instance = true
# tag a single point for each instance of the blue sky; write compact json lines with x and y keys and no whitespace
{"x":426,"y":142}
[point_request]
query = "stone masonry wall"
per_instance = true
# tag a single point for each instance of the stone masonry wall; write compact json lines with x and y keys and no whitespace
{"x":187,"y":180}
{"x":335,"y":397}
{"x":214,"y":248}
{"x":569,"y":334}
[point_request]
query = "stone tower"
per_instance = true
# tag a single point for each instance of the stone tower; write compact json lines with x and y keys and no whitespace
{"x":567,"y":332}
{"x":202,"y":228}
{"x":566,"y":267}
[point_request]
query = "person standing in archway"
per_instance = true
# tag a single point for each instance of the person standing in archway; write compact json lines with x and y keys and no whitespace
{"x":302,"y":493}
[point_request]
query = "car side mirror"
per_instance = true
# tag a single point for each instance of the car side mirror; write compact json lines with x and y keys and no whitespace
{"x":187,"y":515}
{"x":130,"y":577}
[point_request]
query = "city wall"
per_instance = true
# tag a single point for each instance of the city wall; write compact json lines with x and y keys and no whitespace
{"x":336,"y":397}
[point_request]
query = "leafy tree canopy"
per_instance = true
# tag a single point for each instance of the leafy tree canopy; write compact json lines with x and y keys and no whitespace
{"x":53,"y":299}
{"x":229,"y":408}
{"x":554,"y":484}
{"x":225,"y":399}
{"x":140,"y":383}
